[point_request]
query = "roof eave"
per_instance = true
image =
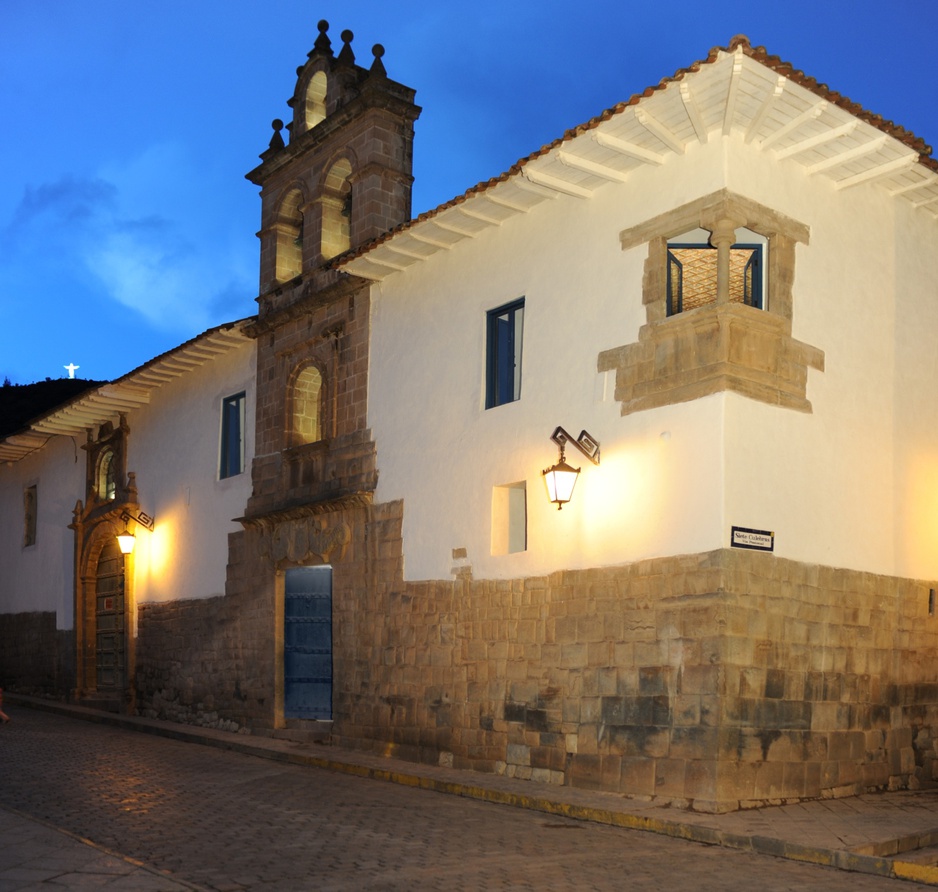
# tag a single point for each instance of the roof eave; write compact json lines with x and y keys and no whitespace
{"x":791,"y":102}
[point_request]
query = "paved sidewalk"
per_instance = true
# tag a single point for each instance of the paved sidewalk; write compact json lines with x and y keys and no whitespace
{"x":885,"y":834}
{"x":36,"y":856}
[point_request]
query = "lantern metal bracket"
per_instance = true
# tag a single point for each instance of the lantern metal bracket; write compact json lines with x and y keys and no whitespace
{"x":586,"y":443}
{"x":140,"y":518}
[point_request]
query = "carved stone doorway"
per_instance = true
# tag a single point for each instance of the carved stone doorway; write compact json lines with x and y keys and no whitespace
{"x":104,"y":615}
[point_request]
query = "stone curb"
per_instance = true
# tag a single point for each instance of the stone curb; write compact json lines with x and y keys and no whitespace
{"x":920,"y":873}
{"x":840,"y":859}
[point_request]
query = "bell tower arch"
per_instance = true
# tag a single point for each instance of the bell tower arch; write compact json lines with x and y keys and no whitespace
{"x":348,"y":152}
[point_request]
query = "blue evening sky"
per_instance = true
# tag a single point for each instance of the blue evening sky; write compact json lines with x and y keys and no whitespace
{"x":126,"y":224}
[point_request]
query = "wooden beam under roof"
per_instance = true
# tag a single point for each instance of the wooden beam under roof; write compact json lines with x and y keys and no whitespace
{"x":880,"y":171}
{"x":926,"y":202}
{"x":449,"y":227}
{"x":475,"y":215}
{"x":624,"y":147}
{"x":397,"y":249}
{"x":502,"y":202}
{"x":374,"y":258}
{"x":592,"y":167}
{"x":658,"y":130}
{"x":818,"y":139}
{"x":421,"y":237}
{"x":767,"y":105}
{"x":809,"y":114}
{"x":867,"y":148}
{"x":732,"y":96}
{"x":154,"y":375}
{"x":183,"y":363}
{"x":360,"y":268}
{"x":693,"y":113}
{"x":54,"y":426}
{"x":527,"y":185}
{"x":913,"y":187}
{"x":558,"y":185}
{"x":128,"y":391}
{"x":114,"y":404}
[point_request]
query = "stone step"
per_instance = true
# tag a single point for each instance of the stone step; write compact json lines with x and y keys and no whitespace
{"x":303,"y":731}
{"x":925,"y":857}
{"x":103,"y":703}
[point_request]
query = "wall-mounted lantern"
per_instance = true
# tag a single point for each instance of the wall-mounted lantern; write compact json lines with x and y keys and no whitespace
{"x":561,"y":477}
{"x":127,"y":540}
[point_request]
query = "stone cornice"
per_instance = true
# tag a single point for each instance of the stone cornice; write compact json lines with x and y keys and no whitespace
{"x":309,"y":298}
{"x":270,"y":519}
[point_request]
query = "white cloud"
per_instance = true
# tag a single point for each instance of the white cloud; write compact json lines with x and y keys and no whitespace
{"x":171,"y":292}
{"x":163,"y":245}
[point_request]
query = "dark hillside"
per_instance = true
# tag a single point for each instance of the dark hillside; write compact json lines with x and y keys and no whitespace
{"x":20,"y":403}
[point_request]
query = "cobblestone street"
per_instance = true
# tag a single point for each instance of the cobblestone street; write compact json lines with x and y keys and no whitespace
{"x":227,"y":821}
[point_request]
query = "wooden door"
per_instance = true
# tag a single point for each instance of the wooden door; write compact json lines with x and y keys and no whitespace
{"x":109,"y":620}
{"x":307,"y":635}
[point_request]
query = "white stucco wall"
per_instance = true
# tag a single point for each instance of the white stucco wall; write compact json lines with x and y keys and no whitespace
{"x":848,"y":485}
{"x":914,"y":386}
{"x":40,"y":577}
{"x":660,"y":481}
{"x":823,"y":482}
{"x":173,"y":447}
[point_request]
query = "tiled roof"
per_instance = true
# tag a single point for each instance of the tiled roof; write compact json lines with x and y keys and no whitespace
{"x":802,"y":123}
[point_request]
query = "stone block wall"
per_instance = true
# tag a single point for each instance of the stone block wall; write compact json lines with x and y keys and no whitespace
{"x":36,"y":658}
{"x":720,"y":680}
{"x":331,"y":330}
{"x":714,"y":348}
{"x":209,"y":661}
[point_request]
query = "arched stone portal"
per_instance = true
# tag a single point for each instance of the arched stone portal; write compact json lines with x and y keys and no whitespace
{"x":104,"y":616}
{"x":104,"y":610}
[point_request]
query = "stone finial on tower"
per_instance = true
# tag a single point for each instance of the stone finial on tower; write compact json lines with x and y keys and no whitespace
{"x":377,"y":67}
{"x":323,"y":44}
{"x":276,"y":141}
{"x":346,"y":56}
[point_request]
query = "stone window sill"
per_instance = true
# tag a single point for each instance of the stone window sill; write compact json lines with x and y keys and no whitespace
{"x":712,"y":349}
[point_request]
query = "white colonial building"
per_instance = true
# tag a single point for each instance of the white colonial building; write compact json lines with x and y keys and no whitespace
{"x":163,"y":453}
{"x":726,"y":283}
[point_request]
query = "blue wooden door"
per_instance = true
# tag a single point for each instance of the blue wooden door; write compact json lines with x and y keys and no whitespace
{"x":307,"y":635}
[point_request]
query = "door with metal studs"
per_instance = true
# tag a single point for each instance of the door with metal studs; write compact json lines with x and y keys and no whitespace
{"x":307,"y":638}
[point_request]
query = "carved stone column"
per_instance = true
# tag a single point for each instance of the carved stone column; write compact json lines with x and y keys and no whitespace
{"x":723,"y":237}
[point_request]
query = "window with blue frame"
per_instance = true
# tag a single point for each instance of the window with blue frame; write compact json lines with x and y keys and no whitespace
{"x":231,"y":461}
{"x":503,"y":354}
{"x":692,"y":275}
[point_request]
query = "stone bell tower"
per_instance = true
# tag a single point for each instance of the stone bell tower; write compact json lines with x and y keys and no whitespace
{"x":338,"y":175}
{"x":343,"y":176}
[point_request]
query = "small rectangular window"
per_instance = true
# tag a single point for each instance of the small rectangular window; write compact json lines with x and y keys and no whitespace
{"x":503,"y":354}
{"x":232,"y":436}
{"x":30,"y":508}
{"x":510,"y":518}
